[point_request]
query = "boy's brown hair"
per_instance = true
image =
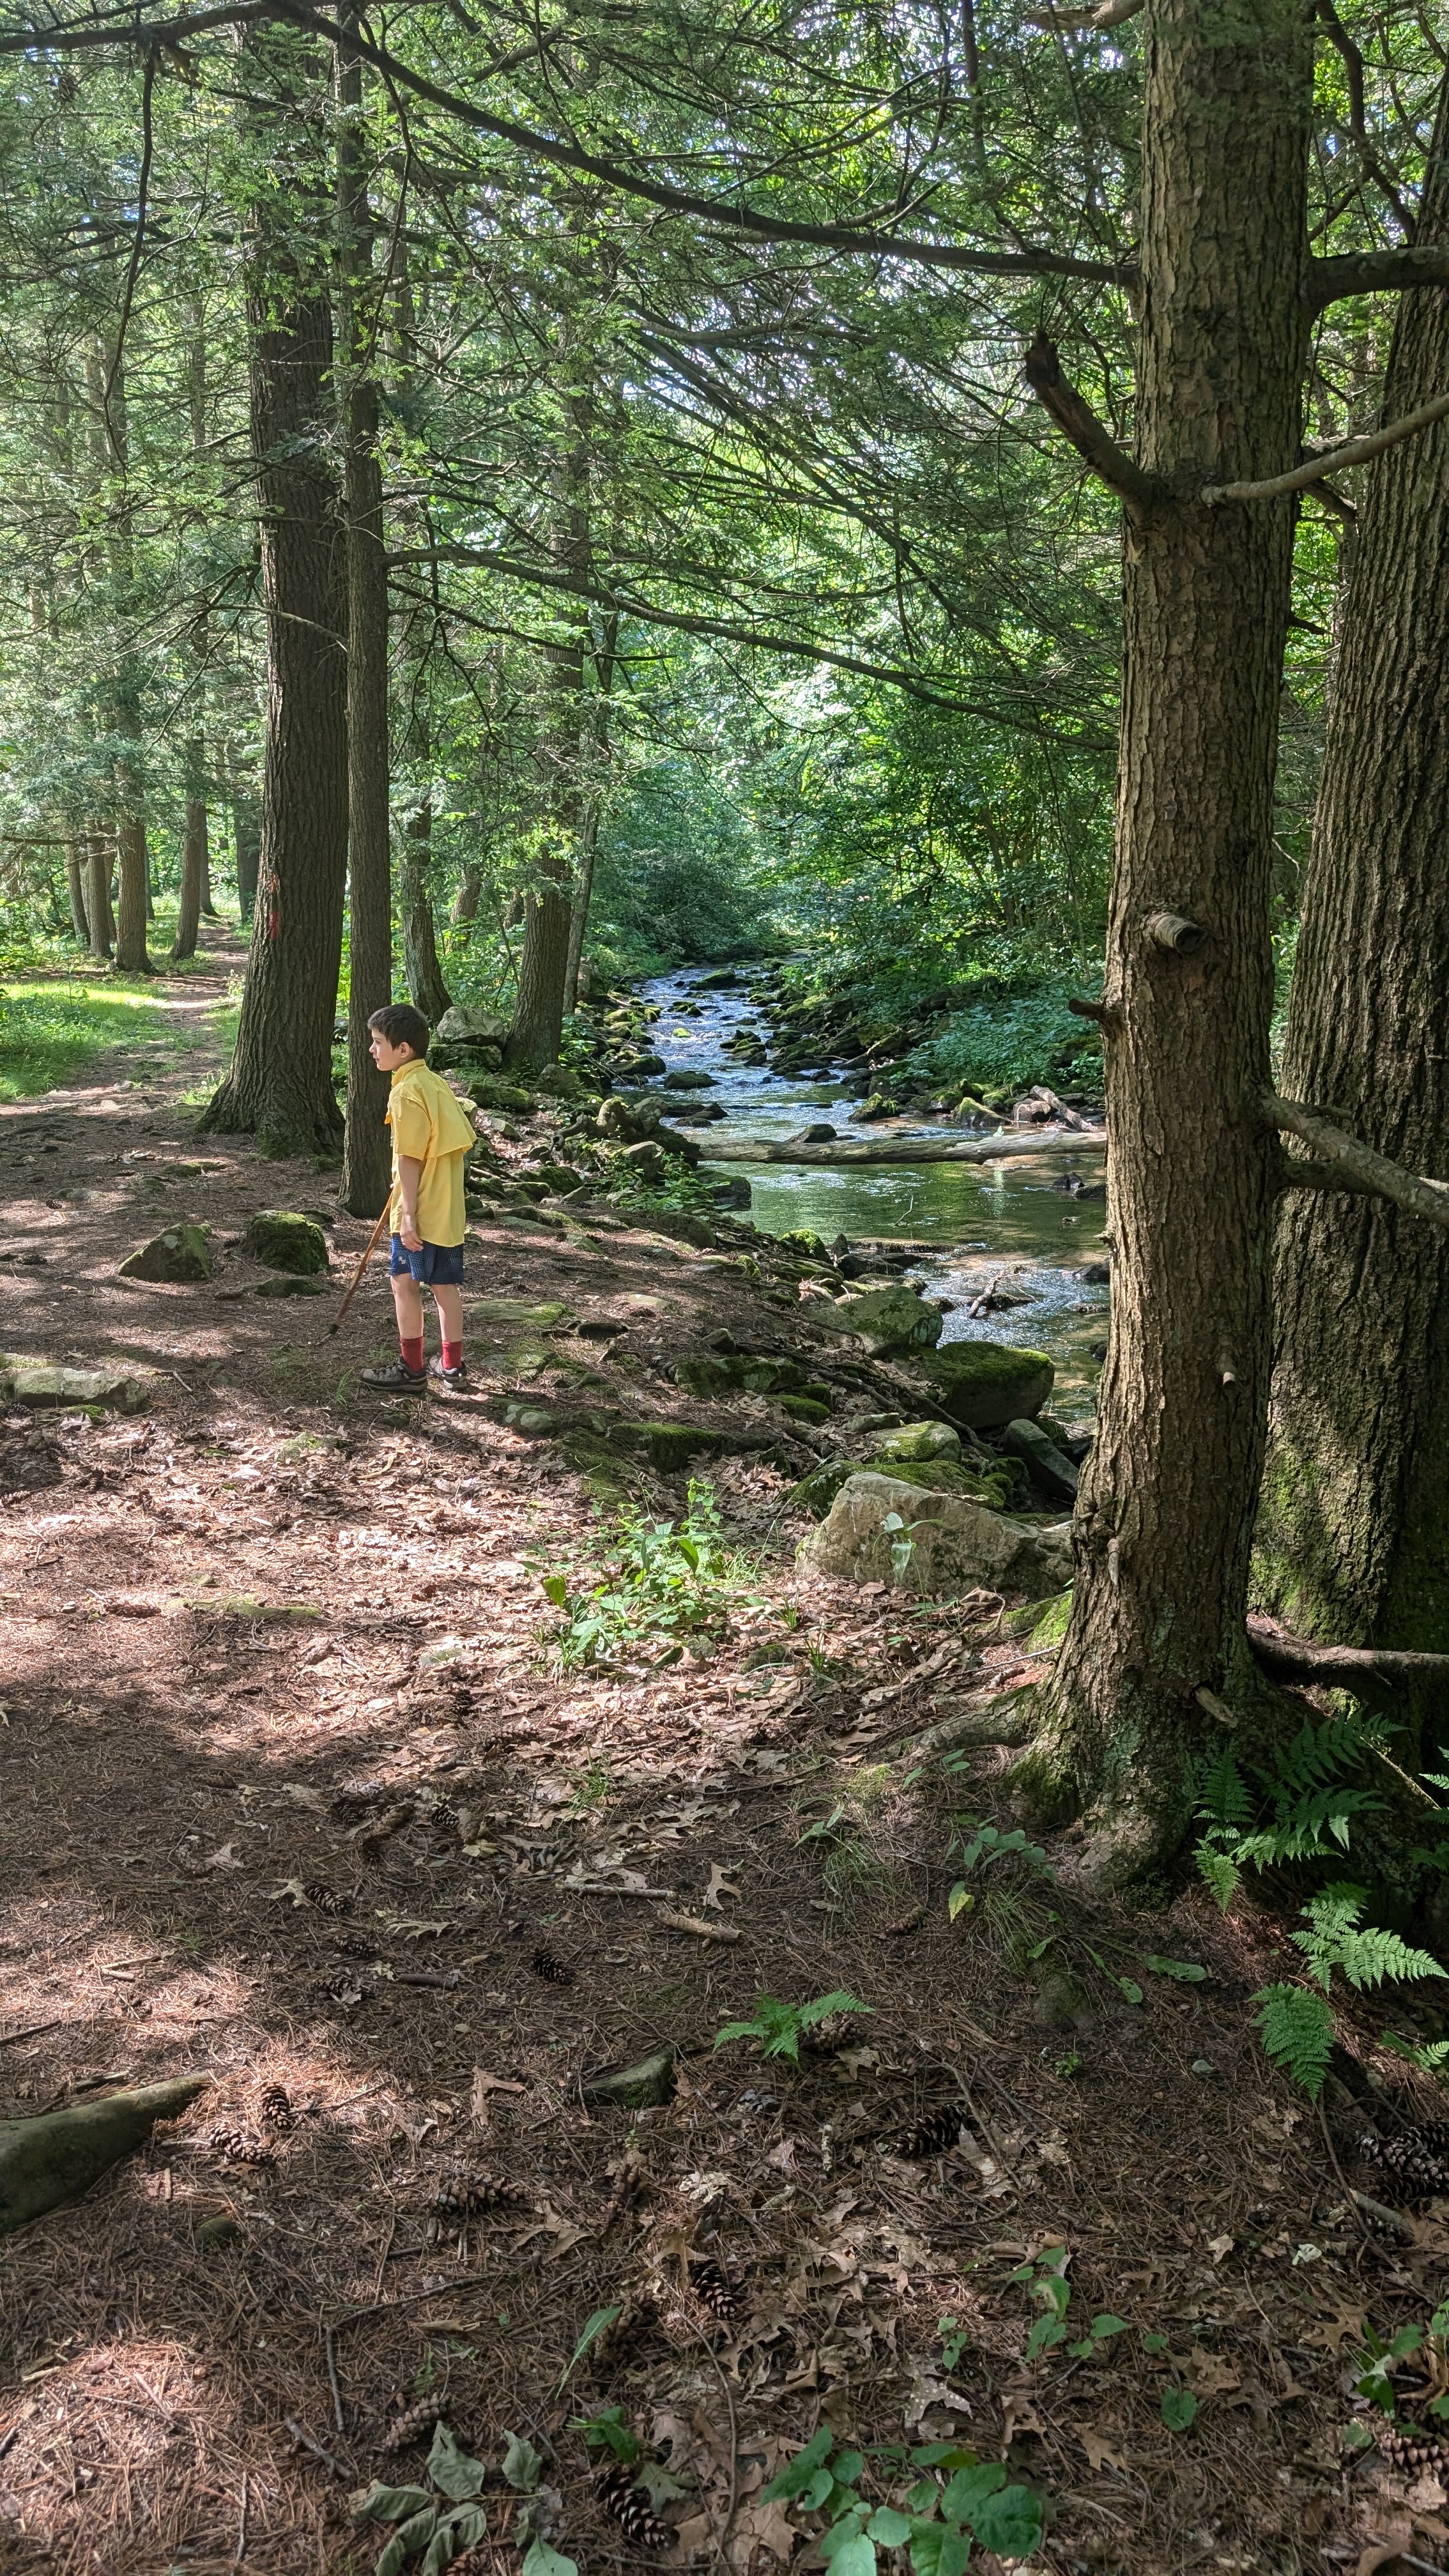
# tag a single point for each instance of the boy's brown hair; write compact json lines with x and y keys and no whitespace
{"x":401,"y":1025}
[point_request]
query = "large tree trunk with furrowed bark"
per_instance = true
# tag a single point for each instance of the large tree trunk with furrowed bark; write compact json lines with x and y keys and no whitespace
{"x":1165,"y":1515}
{"x":1354,"y":1528}
{"x":280,"y":1082}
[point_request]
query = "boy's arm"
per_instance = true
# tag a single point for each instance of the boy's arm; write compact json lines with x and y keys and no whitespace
{"x":409,"y":1173}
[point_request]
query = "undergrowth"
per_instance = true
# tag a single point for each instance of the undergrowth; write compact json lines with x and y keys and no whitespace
{"x":51,"y":1030}
{"x":661,"y":1585}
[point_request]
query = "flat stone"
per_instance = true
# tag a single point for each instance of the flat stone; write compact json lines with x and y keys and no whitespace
{"x":36,"y":1382}
{"x":940,"y":1542}
{"x":985,"y":1384}
{"x":683,"y":1077}
{"x":181,"y":1253}
{"x":650,"y":2080}
{"x":919,"y":1440}
{"x":1047,"y":1464}
{"x":513,"y":1311}
{"x":490,"y":1091}
{"x":885,"y":1319}
{"x":285,"y":1240}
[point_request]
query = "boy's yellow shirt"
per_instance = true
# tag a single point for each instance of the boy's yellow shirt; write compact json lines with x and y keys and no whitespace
{"x":429,"y":1123}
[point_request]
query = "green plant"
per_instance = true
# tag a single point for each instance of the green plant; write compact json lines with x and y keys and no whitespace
{"x":1303,"y":1795}
{"x":1179,"y":2409}
{"x":1045,"y":2280}
{"x":779,"y":2028}
{"x":954,"y":2500}
{"x":954,"y":2339}
{"x":424,"y":2528}
{"x":664,"y":1583}
{"x":1297,"y":2025}
{"x":984,"y":1848}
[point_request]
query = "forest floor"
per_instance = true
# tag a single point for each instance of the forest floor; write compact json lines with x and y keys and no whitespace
{"x":297,"y":1797}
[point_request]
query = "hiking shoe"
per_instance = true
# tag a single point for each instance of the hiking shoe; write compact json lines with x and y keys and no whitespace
{"x":447,"y":1376}
{"x":394,"y":1379}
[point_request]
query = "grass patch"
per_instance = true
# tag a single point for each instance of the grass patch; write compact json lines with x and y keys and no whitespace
{"x":50,"y":1031}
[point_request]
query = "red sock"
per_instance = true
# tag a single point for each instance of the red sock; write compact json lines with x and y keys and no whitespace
{"x":452,"y":1355}
{"x":412,"y":1354}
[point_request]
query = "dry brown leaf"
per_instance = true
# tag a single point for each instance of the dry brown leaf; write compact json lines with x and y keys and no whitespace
{"x":1209,"y":2374}
{"x":1381,"y":2554}
{"x":1329,"y":2334}
{"x":720,"y":1885}
{"x":762,"y":2526}
{"x":1101,"y":2454}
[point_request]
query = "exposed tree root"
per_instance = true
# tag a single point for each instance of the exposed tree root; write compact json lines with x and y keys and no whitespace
{"x":57,"y":2157}
{"x":1004,"y":1719}
{"x":1368,"y":1670}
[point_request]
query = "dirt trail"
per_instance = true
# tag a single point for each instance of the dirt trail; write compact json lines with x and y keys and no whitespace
{"x":295,"y":1795}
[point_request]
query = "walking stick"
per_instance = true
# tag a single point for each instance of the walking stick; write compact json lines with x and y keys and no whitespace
{"x":337,"y":1324}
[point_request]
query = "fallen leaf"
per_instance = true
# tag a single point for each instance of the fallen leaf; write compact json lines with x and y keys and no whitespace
{"x":483,"y":2085}
{"x":1218,"y":2246}
{"x":1101,"y":2454}
{"x":1330,"y":2334}
{"x":720,"y":1886}
{"x":762,"y":2526}
{"x":1382,"y":2554}
{"x":1209,"y":2374}
{"x":415,"y":1927}
{"x":304,"y":1797}
{"x":226,"y":1858}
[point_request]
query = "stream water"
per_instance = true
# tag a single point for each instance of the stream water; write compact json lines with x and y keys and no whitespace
{"x":968,"y":1221}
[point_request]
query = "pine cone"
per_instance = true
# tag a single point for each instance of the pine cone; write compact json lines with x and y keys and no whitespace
{"x":236,"y":2148}
{"x":619,"y":2343}
{"x":621,"y":2497}
{"x":277,"y":2113}
{"x":1417,"y":2453}
{"x":547,"y":1964}
{"x":344,"y":1989}
{"x":933,"y":2136}
{"x":326,"y":1899}
{"x":471,"y":2194}
{"x":1413,"y":2161}
{"x":716,"y":2291}
{"x":411,"y":2426}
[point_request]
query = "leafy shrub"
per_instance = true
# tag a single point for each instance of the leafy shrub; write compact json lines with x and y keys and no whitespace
{"x":953,"y":2500}
{"x":664,"y":1583}
{"x":779,"y":2028}
{"x":1010,"y":1041}
{"x":1297,"y":2026}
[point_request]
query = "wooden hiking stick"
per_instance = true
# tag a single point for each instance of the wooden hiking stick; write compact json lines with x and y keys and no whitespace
{"x":336,"y":1325}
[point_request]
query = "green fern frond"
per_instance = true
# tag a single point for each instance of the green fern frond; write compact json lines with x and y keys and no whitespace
{"x":1337,"y":1938}
{"x":1317,"y":1756}
{"x":1367,"y":1958}
{"x":1221,"y":1872}
{"x":1297,"y":2033}
{"x":1225,"y":1797}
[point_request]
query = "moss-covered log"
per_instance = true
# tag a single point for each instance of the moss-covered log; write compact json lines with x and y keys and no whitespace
{"x":54,"y":2159}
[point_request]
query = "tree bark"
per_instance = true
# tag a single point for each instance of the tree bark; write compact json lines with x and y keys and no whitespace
{"x":366,"y":1152}
{"x":1353,"y":1540}
{"x":246,"y":827}
{"x":592,"y":816}
{"x":98,"y":907}
{"x":421,"y":971}
{"x":465,"y":901}
{"x":193,"y":855}
{"x":1165,"y":1514}
{"x":280,"y":1082}
{"x":107,"y":383}
{"x":76,"y":858}
{"x":538,"y":1011}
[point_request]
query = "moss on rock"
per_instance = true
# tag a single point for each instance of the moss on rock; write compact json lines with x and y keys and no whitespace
{"x":287,"y":1241}
{"x":983,"y":1385}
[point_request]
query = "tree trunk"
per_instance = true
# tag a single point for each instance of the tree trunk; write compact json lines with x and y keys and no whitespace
{"x":246,"y":826}
{"x":465,"y":901}
{"x":593,"y":815}
{"x":421,"y":971}
{"x":132,"y":957}
{"x":280,"y":1082}
{"x":538,"y":1012}
{"x":76,"y":858}
{"x":366,"y":1152}
{"x":1354,"y":1529}
{"x":193,"y":855}
{"x":102,"y":928}
{"x":1165,"y":1514}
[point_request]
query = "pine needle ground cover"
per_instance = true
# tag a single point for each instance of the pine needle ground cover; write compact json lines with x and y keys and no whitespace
{"x":1025,"y":2251}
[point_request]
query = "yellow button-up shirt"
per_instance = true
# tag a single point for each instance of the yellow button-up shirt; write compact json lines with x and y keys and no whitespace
{"x":429,"y":1123}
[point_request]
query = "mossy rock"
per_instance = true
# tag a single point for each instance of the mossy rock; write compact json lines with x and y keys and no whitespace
{"x":558,"y":1179}
{"x":887,"y":1320}
{"x":640,"y":2087}
{"x":24,"y":1381}
{"x":816,"y":1492}
{"x":983,"y":1385}
{"x":557,"y":1082}
{"x":287,"y":1241}
{"x":1040,"y":1624}
{"x":513,"y":1311}
{"x":919,"y":1443}
{"x":671,"y":1446}
{"x":290,"y":1286}
{"x":490,"y":1091}
{"x":181,"y":1254}
{"x":804,"y":1408}
{"x":943,"y":1476}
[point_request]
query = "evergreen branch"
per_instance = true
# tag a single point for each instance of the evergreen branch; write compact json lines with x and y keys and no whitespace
{"x":1371,"y":1171}
{"x":1090,"y":437}
{"x":1376,"y":272}
{"x":1339,"y":36}
{"x":1107,"y":13}
{"x":1332,"y":460}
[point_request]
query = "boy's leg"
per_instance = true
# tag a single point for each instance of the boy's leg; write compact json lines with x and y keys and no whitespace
{"x":449,"y":1302}
{"x":407,"y":1298}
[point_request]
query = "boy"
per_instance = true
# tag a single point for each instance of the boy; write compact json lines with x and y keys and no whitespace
{"x":431,"y":1136}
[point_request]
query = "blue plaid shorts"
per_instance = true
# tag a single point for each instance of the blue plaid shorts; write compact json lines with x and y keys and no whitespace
{"x":438,"y":1265}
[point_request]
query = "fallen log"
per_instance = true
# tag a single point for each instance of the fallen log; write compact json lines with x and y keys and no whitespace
{"x":1297,"y":1659}
{"x":54,"y":2158}
{"x":905,"y":1149}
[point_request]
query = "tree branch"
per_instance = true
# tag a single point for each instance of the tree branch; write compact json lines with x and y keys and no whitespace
{"x":1090,"y":437}
{"x":146,"y":34}
{"x":1296,"y":1174}
{"x":1367,"y":1170}
{"x":1357,"y":116}
{"x":1332,"y":460}
{"x":1071,"y":22}
{"x":1376,"y":272}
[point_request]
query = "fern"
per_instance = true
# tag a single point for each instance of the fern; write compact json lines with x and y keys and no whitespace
{"x":1221,"y":1872}
{"x":1336,"y":1939}
{"x":1225,"y":1796}
{"x":1319,"y":1755}
{"x":1297,"y":2033}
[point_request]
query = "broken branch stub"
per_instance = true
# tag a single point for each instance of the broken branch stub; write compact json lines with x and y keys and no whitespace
{"x":1174,"y":932}
{"x":54,"y":2159}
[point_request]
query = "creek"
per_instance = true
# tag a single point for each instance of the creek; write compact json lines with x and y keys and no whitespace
{"x":967,"y":1222}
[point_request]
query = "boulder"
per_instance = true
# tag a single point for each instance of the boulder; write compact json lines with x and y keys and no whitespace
{"x":640,"y":2087}
{"x":463,"y":1025}
{"x":886,"y":1320}
{"x":674,"y":1143}
{"x":182,"y":1253}
{"x":876,"y":1104}
{"x":823,"y":1134}
{"x":985,"y":1384}
{"x":730,"y":1194}
{"x":557,"y":1082}
{"x":720,"y":979}
{"x":918,"y":1441}
{"x":490,"y":1091}
{"x":287,"y":1241}
{"x":1001,"y":1487}
{"x":36,"y":1382}
{"x":816,"y":1492}
{"x":290,"y":1284}
{"x":881,"y":1530}
{"x":683,"y":1077}
{"x":1045,"y":1462}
